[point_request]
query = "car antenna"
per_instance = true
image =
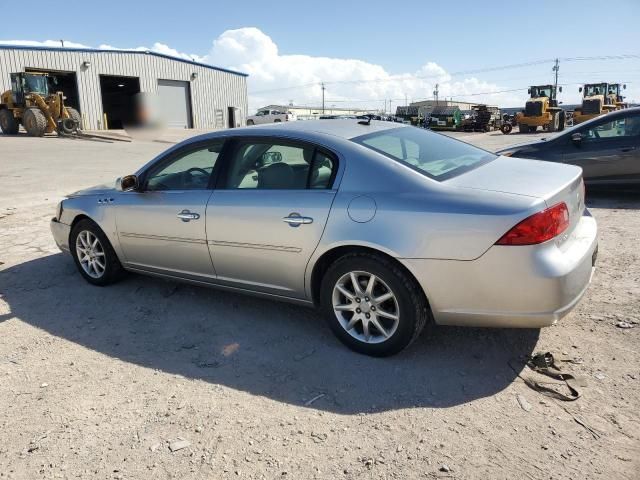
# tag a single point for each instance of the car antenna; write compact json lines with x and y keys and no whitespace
{"x":365,"y":122}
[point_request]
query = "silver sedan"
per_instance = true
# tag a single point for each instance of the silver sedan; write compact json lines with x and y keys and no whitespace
{"x":382,"y":226}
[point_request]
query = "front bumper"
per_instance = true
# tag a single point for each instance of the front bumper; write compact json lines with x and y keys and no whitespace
{"x":60,"y":233}
{"x":511,"y":286}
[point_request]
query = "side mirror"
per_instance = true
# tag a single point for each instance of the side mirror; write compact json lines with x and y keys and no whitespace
{"x":127,"y":183}
{"x":529,"y":90}
{"x":580,"y":89}
{"x":560,"y":89}
{"x":624,"y":86}
{"x":576,"y":138}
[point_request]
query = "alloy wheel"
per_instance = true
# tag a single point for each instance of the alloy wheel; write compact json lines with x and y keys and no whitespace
{"x":366,"y":307}
{"x":90,"y":254}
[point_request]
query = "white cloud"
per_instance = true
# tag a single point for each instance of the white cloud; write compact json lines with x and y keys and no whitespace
{"x":278,"y":78}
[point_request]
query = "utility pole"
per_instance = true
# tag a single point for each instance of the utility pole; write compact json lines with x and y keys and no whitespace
{"x":390,"y":111}
{"x":435,"y":94}
{"x":323,"y":89}
{"x":62,"y":42}
{"x":405,"y":100}
{"x":555,"y":69}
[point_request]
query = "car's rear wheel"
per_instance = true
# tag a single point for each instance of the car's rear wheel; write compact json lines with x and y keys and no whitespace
{"x":93,"y":254}
{"x":372,"y":305}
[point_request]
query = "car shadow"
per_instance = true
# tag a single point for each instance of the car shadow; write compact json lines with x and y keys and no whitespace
{"x":272,"y":349}
{"x":623,"y":198}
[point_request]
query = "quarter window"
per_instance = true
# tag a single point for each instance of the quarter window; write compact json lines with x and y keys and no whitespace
{"x":191,"y":170}
{"x":279,"y":166}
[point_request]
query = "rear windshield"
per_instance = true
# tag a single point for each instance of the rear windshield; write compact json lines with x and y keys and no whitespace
{"x":434,"y":155}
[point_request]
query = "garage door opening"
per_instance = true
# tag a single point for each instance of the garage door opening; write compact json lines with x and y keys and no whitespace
{"x":65,"y":82}
{"x":119,"y":100}
{"x":175,"y":103}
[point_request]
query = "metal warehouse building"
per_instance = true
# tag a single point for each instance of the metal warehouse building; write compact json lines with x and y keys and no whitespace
{"x":103,"y":85}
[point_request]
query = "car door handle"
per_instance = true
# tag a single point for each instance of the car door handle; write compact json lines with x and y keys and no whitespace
{"x":187,"y":216}
{"x":295,"y":220}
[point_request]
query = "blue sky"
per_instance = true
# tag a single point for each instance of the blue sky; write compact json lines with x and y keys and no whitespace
{"x":400,"y":37}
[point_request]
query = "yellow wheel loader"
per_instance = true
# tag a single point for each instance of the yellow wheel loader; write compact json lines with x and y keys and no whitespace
{"x":541,"y":110}
{"x":597,"y":99}
{"x":615,"y":90}
{"x":30,"y":103}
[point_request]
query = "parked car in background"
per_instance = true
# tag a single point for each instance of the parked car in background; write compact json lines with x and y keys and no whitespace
{"x":384,"y":227}
{"x":270,"y":116}
{"x":607,"y":148}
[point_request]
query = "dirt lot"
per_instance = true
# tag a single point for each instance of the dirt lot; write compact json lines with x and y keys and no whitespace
{"x":101,"y":382}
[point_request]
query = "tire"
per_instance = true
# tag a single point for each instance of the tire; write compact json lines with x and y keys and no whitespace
{"x":76,"y":117}
{"x":555,"y":122}
{"x":8,"y":123}
{"x":250,"y":123}
{"x":408,"y":303}
{"x":523,"y":128}
{"x":112,"y":271}
{"x":277,"y":120}
{"x":34,"y":121}
{"x":506,"y":128}
{"x":562,"y":121}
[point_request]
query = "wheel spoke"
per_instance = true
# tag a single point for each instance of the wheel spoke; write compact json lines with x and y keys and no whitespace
{"x":352,"y":322}
{"x":370,"y":285}
{"x":378,"y":325}
{"x":95,"y":242}
{"x":345,"y":308}
{"x":97,"y":262}
{"x":382,"y":313}
{"x":345,"y":292}
{"x":365,"y":330}
{"x":99,"y":254}
{"x":356,"y":285}
{"x":383,"y":298}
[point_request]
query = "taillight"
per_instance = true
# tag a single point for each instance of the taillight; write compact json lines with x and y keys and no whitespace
{"x":539,"y":227}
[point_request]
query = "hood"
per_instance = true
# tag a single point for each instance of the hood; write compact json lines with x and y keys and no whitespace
{"x":531,"y":178}
{"x":97,"y":190}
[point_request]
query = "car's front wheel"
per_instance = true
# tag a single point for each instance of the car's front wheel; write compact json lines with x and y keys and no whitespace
{"x":93,"y":254}
{"x":373,"y":305}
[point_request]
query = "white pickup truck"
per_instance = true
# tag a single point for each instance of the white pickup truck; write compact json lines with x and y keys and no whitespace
{"x":270,"y":116}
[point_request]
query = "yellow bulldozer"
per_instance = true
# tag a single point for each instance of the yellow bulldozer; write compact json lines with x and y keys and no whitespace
{"x":31,"y":102}
{"x":541,"y":110}
{"x":597,"y":99}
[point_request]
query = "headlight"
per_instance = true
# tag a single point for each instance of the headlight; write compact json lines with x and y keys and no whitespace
{"x":59,"y":211}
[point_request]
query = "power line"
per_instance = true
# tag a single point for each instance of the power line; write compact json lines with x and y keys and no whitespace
{"x":400,"y":78}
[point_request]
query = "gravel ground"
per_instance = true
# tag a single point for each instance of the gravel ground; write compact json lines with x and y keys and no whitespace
{"x":154,"y":379}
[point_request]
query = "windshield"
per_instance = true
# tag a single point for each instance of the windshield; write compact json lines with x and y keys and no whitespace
{"x":614,"y":89}
{"x":35,"y":84}
{"x":596,"y":89}
{"x":541,"y":91}
{"x":434,"y":155}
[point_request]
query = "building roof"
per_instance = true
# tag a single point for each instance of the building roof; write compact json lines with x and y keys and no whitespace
{"x":105,"y":50}
{"x":444,"y":110}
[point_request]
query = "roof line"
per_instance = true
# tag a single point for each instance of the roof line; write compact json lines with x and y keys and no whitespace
{"x":108,"y":50}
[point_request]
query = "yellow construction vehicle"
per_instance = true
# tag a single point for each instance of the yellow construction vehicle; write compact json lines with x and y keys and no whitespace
{"x":615,"y":90}
{"x":596,"y":100}
{"x":541,"y":110}
{"x":31,"y":103}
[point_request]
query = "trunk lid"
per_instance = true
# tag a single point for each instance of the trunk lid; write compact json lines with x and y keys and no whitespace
{"x":549,"y":181}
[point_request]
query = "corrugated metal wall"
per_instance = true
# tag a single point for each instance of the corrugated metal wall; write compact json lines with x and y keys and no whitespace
{"x":212,"y":89}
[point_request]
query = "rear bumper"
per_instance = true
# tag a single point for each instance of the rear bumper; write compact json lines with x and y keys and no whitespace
{"x":524,"y":286}
{"x":60,"y":233}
